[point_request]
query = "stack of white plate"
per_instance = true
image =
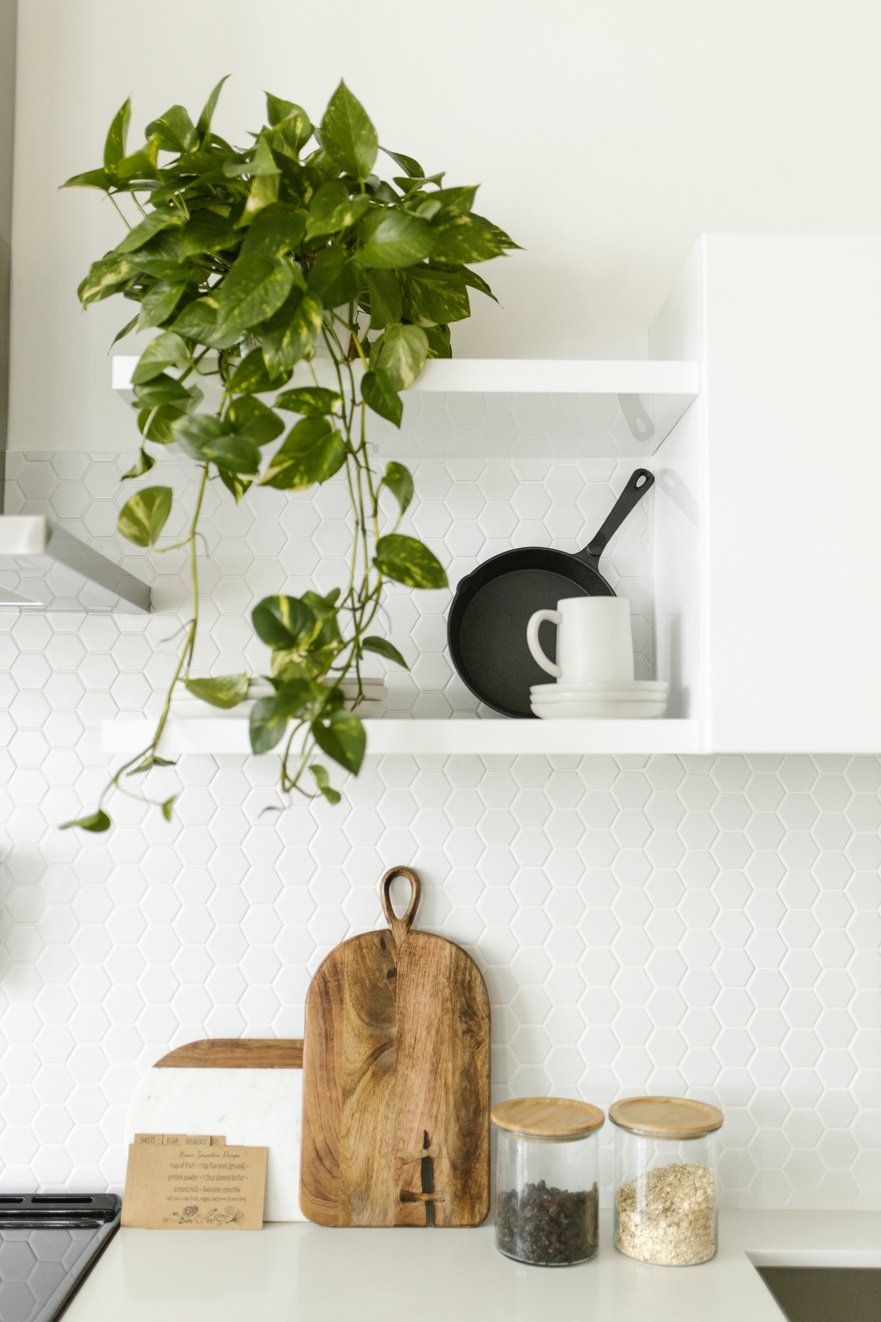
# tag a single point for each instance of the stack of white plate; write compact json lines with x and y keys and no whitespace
{"x":634,"y":700}
{"x":373,"y":688}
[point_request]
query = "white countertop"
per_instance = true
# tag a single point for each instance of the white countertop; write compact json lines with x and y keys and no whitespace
{"x":311,"y":1274}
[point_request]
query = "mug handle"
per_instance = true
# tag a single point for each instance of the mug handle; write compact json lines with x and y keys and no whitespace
{"x":532,"y":628}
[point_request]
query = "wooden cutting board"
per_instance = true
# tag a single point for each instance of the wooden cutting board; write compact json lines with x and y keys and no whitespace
{"x":247,"y":1089}
{"x":396,"y":1080}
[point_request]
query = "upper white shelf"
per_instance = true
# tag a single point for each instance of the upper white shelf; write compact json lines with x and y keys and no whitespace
{"x":224,"y":735}
{"x":499,"y":407}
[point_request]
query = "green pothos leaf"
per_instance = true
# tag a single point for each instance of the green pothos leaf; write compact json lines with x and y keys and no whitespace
{"x":291,"y":333}
{"x":380,"y":395}
{"x":347,"y":135}
{"x":267,"y":724}
{"x":167,"y":350}
{"x":159,"y":302}
{"x":322,"y":780}
{"x":342,"y":737}
{"x":156,"y":423}
{"x":400,"y":352}
{"x":114,"y":145}
{"x":96,"y":821}
{"x":311,"y":401}
{"x":152,"y":224}
{"x":399,"y":481}
{"x":223,"y":691}
{"x":144,"y":515}
{"x":203,"y":124}
{"x":382,"y":647}
{"x":409,"y":561}
{"x":106,"y":276}
{"x":142,"y":465}
{"x":284,"y":622}
{"x":313,"y":451}
{"x":254,"y":289}
{"x":394,"y":240}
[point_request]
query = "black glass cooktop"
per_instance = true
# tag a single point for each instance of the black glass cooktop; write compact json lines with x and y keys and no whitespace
{"x":48,"y":1245}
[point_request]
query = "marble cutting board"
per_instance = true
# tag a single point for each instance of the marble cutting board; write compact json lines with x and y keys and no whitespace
{"x":250,"y":1090}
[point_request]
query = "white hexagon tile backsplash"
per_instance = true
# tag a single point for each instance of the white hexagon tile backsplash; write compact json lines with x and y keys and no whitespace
{"x":702,"y":924}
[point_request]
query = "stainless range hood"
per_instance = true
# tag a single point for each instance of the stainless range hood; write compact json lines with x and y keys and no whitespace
{"x":42,"y":567}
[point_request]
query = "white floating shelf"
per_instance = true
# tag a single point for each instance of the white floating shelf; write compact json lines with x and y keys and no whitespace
{"x":226,"y":735}
{"x":592,"y":407}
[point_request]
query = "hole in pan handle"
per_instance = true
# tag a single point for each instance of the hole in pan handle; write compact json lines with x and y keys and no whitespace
{"x":639,"y":482}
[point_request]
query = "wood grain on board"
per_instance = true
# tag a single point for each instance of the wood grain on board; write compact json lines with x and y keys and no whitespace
{"x":396,"y":1081}
{"x":231,"y":1053}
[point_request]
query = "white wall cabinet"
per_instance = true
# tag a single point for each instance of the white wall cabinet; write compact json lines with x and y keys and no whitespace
{"x":766,"y":533}
{"x":768,"y":520}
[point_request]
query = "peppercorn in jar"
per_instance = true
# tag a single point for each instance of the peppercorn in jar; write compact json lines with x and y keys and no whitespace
{"x":547,"y":1198}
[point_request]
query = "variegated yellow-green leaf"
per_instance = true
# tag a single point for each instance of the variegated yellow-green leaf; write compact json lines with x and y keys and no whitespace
{"x":220,"y":691}
{"x":399,"y":481}
{"x":313,"y":452}
{"x":106,"y":276}
{"x":342,"y":737}
{"x":311,"y":401}
{"x":284,"y":622}
{"x":144,"y":515}
{"x":167,"y":350}
{"x":400,"y":352}
{"x":255,"y":287}
{"x":379,"y":394}
{"x":347,"y":134}
{"x":322,"y":780}
{"x":382,"y":647}
{"x":409,"y":561}
{"x":96,"y":821}
{"x":396,"y":240}
{"x":152,"y":224}
{"x":114,"y":145}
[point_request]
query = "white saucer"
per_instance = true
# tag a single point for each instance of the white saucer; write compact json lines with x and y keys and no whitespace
{"x":611,"y":695}
{"x":599,"y":709}
{"x":643,"y":703}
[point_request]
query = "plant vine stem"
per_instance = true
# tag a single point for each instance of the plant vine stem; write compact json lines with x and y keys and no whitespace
{"x":352,"y":327}
{"x":359,"y":451}
{"x":353,"y":564}
{"x":186,"y":654}
{"x":288,"y":781}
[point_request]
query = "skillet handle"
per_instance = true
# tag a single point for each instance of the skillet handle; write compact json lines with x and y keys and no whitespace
{"x":638,"y":484}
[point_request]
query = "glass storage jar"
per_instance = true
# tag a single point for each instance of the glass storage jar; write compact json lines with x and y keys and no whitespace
{"x":546,"y":1180}
{"x":666,"y":1183}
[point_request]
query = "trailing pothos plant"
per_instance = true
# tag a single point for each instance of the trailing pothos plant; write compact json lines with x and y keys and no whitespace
{"x":247,"y":262}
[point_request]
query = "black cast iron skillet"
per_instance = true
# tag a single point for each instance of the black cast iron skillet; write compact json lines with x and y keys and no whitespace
{"x":486,"y":626}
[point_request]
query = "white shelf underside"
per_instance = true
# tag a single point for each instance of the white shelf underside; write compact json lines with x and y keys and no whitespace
{"x":593,"y":408}
{"x":525,"y":376}
{"x":226,"y":735}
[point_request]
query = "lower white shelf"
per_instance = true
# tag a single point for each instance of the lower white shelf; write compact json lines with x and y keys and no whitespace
{"x":385,"y":735}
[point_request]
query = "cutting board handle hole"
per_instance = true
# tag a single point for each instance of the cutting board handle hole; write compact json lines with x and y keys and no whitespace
{"x":400,"y":923}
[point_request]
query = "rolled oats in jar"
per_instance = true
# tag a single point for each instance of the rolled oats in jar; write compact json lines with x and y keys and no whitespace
{"x":666,"y":1183}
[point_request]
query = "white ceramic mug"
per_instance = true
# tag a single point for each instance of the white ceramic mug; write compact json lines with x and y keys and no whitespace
{"x":594,"y":640}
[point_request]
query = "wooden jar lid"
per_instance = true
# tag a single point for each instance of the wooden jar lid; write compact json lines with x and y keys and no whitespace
{"x":547,"y":1117}
{"x":665,"y":1117}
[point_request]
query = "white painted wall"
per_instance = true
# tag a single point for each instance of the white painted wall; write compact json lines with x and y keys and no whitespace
{"x":606,"y":135}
